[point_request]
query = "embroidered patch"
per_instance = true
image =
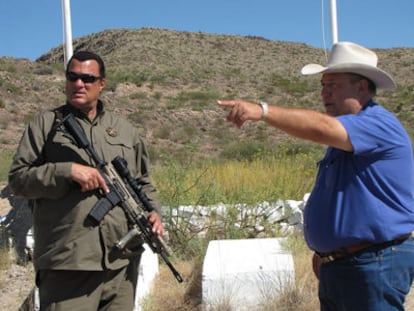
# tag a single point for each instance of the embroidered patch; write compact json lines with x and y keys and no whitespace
{"x":112,"y":132}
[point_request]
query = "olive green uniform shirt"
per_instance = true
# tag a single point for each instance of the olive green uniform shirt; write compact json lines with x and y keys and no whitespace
{"x":41,"y":170}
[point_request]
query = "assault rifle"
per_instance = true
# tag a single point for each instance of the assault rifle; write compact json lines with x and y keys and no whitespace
{"x":124,"y":191}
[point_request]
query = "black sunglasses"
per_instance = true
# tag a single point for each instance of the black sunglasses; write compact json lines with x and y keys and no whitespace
{"x":72,"y":77}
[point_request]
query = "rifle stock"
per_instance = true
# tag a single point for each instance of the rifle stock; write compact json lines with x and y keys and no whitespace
{"x":124,"y":191}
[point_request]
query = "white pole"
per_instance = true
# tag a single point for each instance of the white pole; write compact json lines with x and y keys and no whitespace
{"x":334,"y":23}
{"x":67,"y":28}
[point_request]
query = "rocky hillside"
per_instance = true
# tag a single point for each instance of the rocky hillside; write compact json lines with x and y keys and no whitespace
{"x":166,"y":82}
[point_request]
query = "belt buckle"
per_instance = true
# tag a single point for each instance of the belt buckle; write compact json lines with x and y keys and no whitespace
{"x":334,"y":255}
{"x":327,"y":258}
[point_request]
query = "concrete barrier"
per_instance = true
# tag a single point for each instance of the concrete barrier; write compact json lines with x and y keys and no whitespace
{"x":240,"y":274}
{"x":148,"y":270}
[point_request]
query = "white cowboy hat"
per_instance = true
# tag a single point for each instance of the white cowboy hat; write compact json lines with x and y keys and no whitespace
{"x":353,"y":58}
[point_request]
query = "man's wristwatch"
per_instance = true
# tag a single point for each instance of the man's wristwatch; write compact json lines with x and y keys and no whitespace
{"x":265,"y":109}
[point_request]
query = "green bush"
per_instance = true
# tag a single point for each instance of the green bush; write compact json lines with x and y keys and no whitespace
{"x":196,"y":99}
{"x":266,"y":177}
{"x":6,"y":157}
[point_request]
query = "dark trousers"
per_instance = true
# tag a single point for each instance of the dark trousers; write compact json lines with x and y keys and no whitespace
{"x":61,"y":290}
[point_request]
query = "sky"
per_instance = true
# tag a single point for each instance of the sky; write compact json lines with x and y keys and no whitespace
{"x":30,"y":28}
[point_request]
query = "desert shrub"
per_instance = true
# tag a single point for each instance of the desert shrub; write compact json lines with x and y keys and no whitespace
{"x":6,"y":157}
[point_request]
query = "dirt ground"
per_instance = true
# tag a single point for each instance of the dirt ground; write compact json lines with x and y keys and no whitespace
{"x":15,"y":285}
{"x":409,"y":304}
{"x":18,"y":279}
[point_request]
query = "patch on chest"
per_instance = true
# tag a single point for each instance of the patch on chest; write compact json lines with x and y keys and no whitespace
{"x":112,"y":132}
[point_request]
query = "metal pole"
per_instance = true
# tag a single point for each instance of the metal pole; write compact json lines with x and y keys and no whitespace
{"x":334,"y":23}
{"x":67,"y":28}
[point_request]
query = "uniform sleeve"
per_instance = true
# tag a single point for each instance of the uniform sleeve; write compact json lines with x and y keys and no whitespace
{"x":144,"y":180}
{"x":29,"y":176}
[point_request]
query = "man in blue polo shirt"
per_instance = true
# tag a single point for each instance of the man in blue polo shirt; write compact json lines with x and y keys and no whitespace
{"x":360,"y":215}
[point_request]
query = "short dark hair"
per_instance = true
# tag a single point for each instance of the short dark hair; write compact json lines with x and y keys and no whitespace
{"x":87,"y":55}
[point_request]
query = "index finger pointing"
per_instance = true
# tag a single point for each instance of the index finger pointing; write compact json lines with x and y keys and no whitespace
{"x":226,"y":103}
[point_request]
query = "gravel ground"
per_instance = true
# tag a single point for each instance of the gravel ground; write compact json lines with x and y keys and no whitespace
{"x":15,"y":285}
{"x":16,"y":280}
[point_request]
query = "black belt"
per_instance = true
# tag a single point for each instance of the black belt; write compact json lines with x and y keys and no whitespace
{"x":350,"y":250}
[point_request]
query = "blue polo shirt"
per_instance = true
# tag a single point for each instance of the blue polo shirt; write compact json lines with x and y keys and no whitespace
{"x":367,"y":194}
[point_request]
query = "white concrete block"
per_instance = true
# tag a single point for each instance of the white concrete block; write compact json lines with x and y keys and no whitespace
{"x":241,"y":274}
{"x":148,"y":270}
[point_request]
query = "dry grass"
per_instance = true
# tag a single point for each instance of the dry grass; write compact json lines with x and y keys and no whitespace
{"x":302,"y":295}
{"x":167,"y":294}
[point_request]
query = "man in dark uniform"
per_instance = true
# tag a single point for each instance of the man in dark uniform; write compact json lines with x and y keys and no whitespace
{"x":77,"y":266}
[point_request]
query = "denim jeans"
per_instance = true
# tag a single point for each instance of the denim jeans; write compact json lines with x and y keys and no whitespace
{"x":375,"y":279}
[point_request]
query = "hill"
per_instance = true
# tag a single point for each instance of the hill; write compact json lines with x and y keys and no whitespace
{"x":166,"y":82}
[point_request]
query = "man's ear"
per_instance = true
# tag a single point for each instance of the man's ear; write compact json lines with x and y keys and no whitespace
{"x":102,"y":84}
